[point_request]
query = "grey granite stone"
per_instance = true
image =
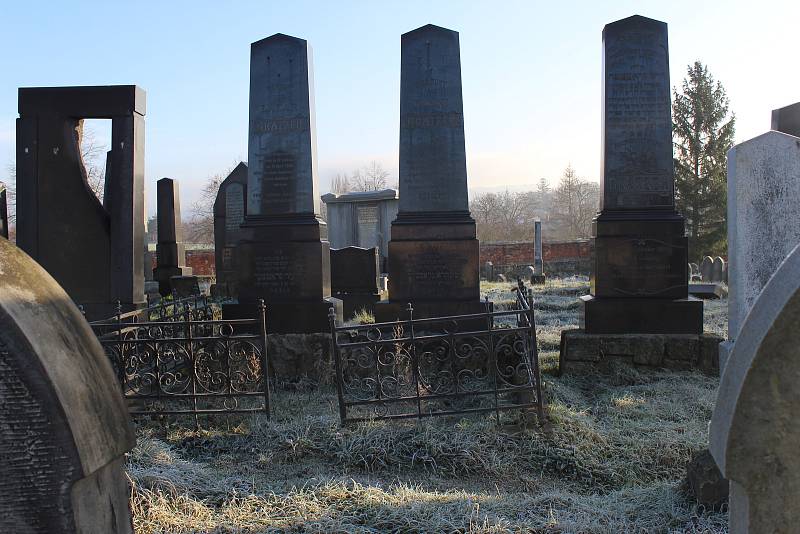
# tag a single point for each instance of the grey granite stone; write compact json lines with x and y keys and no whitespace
{"x":753,"y":434}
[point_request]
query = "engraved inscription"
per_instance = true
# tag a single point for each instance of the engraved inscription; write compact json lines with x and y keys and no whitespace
{"x":367,"y":225}
{"x":234,"y":209}
{"x":433,"y":120}
{"x":433,"y":273}
{"x":274,"y":274}
{"x":227,"y":258}
{"x":279,"y":182}
{"x":278,"y":126}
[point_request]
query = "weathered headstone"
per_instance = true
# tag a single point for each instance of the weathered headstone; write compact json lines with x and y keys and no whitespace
{"x":787,"y":119}
{"x":763,"y":195}
{"x":433,"y":252}
{"x":3,"y":213}
{"x":538,"y":254}
{"x":754,"y":431}
{"x":362,"y":219}
{"x":64,"y":427}
{"x":639,"y":282}
{"x":284,"y":256}
{"x":718,"y":270}
{"x":707,"y":269}
{"x":170,"y":251}
{"x":488,"y":271}
{"x":354,"y":279}
{"x":93,"y":250}
{"x":230,"y":208}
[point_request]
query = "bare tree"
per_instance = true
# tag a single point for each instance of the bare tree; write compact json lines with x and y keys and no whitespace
{"x":199,"y":227}
{"x":372,"y":177}
{"x":575,"y":203}
{"x":340,"y":184}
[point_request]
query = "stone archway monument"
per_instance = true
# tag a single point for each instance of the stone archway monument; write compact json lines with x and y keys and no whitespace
{"x":94,"y":250}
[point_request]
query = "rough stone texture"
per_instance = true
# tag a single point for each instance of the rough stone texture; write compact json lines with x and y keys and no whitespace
{"x":64,"y":426}
{"x":705,"y":482}
{"x":284,"y":254}
{"x":640,"y":250}
{"x":230,"y":209}
{"x":753,"y":434}
{"x":787,"y":119}
{"x":362,"y":219}
{"x":93,"y":250}
{"x":763,"y":194}
{"x":581,"y":351}
{"x":433,"y":252}
{"x":707,"y":291}
{"x":300,"y":357}
{"x":170,"y":250}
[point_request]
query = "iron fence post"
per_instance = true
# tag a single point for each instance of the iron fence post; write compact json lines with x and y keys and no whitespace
{"x":337,"y":364}
{"x":262,"y":309}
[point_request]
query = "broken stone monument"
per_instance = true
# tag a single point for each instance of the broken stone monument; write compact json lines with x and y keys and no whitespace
{"x":753,"y":434}
{"x":354,"y":279}
{"x":65,"y":426}
{"x":230,"y":208}
{"x":763,"y":194}
{"x":93,"y":250}
{"x":787,"y":119}
{"x":3,"y":213}
{"x":170,"y":251}
{"x":362,"y":219}
{"x":284,"y":255}
{"x":433,"y":252}
{"x":639,"y":281}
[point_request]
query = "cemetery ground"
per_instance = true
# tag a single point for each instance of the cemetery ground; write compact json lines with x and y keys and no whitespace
{"x":612,"y":460}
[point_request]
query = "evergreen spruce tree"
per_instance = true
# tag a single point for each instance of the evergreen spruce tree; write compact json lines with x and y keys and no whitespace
{"x":703,"y":131}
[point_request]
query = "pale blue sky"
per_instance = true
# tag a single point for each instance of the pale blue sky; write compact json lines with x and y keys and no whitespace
{"x":531,"y":73}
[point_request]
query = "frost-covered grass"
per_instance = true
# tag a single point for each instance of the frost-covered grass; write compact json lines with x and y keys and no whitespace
{"x":611,"y":461}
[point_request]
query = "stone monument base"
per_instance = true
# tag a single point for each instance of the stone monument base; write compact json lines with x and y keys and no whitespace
{"x":285,"y":260}
{"x":352,"y":303}
{"x":387,"y":311}
{"x":185,"y":285}
{"x":538,"y":279}
{"x":581,"y":351}
{"x":164,"y":275}
{"x":642,"y":315}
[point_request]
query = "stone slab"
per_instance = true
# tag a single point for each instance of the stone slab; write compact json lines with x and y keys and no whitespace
{"x":230,"y":210}
{"x":708,"y":291}
{"x":354,"y":270}
{"x":642,"y":316}
{"x":581,"y":351}
{"x":787,"y":119}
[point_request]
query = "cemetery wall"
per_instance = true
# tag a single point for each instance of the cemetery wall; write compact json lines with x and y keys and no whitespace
{"x":560,"y":257}
{"x":200,"y":260}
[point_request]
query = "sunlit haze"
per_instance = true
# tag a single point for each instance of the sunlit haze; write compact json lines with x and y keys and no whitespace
{"x":531,"y":74}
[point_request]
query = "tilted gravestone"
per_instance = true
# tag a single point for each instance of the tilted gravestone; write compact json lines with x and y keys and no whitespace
{"x":787,"y":119}
{"x":230,"y":208}
{"x":354,"y":278}
{"x":433,"y":251}
{"x":362,"y":219}
{"x":284,"y":256}
{"x":64,"y":427}
{"x":93,"y":250}
{"x":754,"y":431}
{"x":170,"y":251}
{"x":639,"y":282}
{"x":763,"y":194}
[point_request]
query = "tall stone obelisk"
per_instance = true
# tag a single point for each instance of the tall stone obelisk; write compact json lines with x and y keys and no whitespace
{"x":285,"y":256}
{"x":639,"y":281}
{"x":433,"y":251}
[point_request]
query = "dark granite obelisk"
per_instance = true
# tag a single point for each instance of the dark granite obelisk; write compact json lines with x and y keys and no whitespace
{"x":3,"y":213}
{"x":284,"y":257}
{"x":433,"y":252}
{"x":639,"y":268}
{"x":170,"y":252}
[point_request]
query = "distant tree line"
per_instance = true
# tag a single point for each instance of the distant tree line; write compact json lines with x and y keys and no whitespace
{"x":566,"y":211}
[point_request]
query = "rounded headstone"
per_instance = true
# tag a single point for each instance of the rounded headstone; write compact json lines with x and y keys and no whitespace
{"x":64,"y":426}
{"x":707,"y":269}
{"x":717,"y":270}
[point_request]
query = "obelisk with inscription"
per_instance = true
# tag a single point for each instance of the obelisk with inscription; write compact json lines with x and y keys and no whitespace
{"x":639,"y":264}
{"x":433,"y":251}
{"x":284,"y":256}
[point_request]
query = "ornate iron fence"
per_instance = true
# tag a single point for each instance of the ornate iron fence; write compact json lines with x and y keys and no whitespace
{"x":189,"y":365}
{"x":477,"y":363}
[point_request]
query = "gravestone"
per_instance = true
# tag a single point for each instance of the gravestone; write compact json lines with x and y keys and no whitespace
{"x":763,"y":194}
{"x":787,"y":119}
{"x":639,"y":282}
{"x":230,"y":208}
{"x":538,"y":254}
{"x":65,"y":426}
{"x":284,"y":255}
{"x":433,"y":252}
{"x":753,"y":434}
{"x":3,"y":213}
{"x":170,"y":251}
{"x":707,"y":269}
{"x":362,"y":219}
{"x":93,"y":250}
{"x":718,"y":270}
{"x":354,"y":279}
{"x":488,"y":271}
{"x":694,"y":272}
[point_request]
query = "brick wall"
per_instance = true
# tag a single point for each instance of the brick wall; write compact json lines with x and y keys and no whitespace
{"x":562,"y":257}
{"x":201,"y":262}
